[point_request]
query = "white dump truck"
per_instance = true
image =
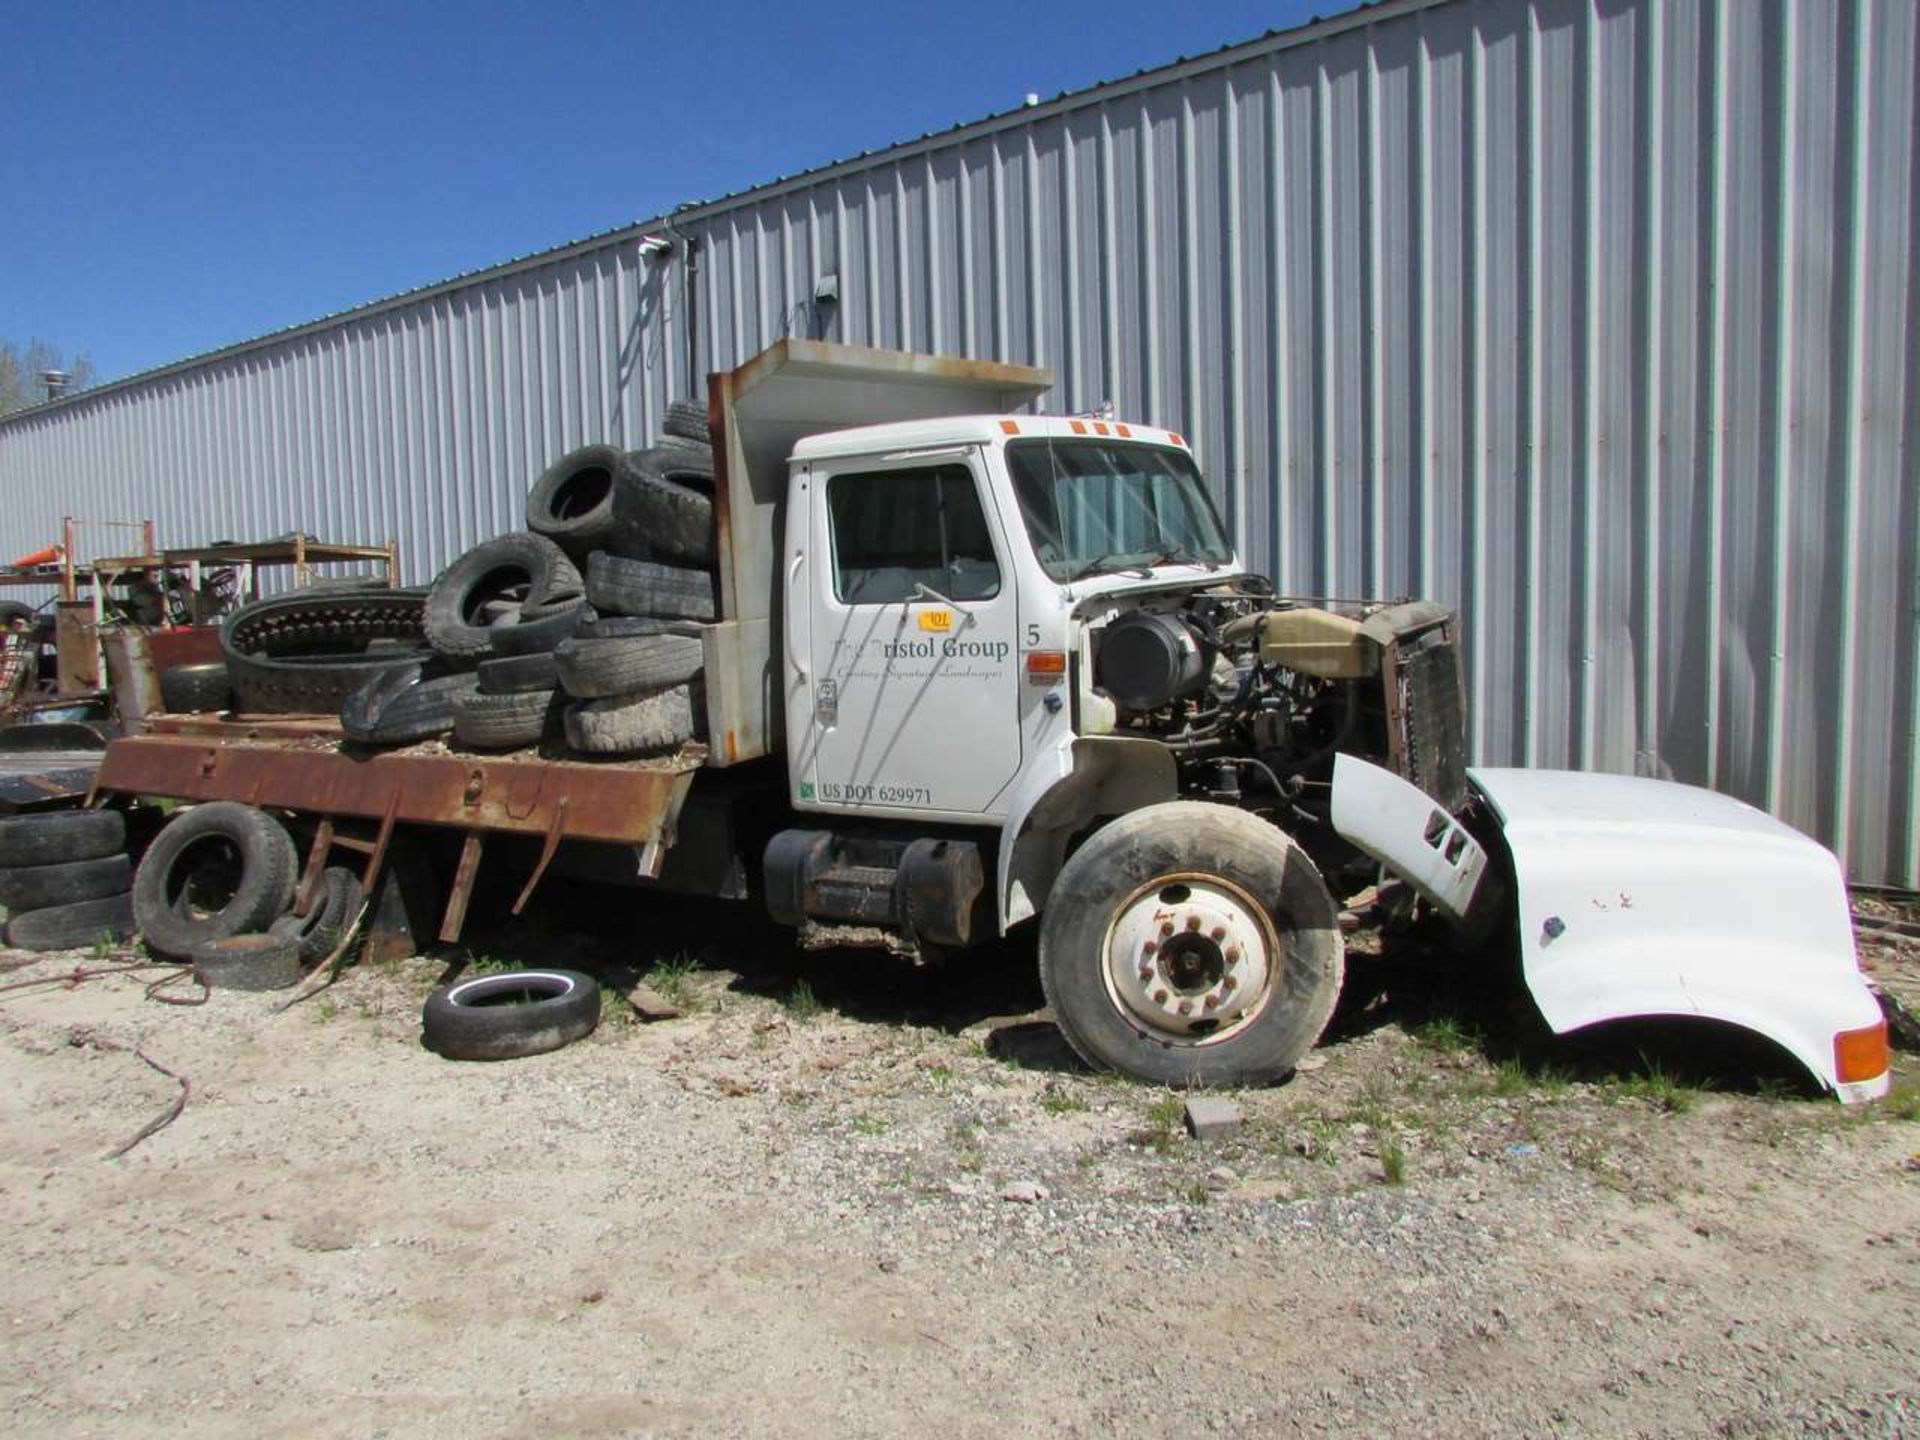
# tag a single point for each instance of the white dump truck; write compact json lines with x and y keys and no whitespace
{"x":976,"y":668}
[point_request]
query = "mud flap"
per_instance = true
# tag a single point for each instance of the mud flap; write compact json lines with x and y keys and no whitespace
{"x":1401,"y":826}
{"x":1646,"y":898}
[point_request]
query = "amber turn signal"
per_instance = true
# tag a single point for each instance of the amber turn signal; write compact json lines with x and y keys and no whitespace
{"x":1860,"y":1054}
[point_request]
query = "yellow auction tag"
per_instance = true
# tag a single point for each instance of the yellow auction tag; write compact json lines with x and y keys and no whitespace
{"x":938,"y":621}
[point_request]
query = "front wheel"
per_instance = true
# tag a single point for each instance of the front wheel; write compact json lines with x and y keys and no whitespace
{"x":1191,"y":944}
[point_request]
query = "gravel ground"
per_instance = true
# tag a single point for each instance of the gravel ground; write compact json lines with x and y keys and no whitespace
{"x":841,"y":1195}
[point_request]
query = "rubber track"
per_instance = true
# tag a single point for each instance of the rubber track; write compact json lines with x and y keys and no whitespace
{"x":260,"y":641}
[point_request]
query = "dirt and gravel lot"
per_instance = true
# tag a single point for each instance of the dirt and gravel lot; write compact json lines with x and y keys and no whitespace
{"x":839,"y":1196}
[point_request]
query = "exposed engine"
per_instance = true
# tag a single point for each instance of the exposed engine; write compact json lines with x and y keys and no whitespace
{"x":1256,"y":695}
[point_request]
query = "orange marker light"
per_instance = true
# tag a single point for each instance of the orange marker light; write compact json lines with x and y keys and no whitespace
{"x":1046,"y":667}
{"x":1122,"y":431}
{"x":1860,"y":1054}
{"x":1098,"y":428}
{"x":1077,"y":427}
{"x":1009,"y":428}
{"x":1176,"y":439}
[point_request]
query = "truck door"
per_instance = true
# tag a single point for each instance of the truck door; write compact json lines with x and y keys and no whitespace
{"x":912,"y":630}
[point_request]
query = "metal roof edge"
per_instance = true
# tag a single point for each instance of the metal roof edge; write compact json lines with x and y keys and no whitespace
{"x":1313,"y":30}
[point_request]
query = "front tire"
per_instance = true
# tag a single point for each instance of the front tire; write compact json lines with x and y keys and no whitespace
{"x":1190,"y":944}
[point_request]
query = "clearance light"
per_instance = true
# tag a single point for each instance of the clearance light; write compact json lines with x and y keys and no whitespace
{"x":1860,"y":1054}
{"x":1176,"y":439}
{"x":1008,"y":427}
{"x":1122,"y":431}
{"x":1046,"y":667}
{"x":1098,"y":428}
{"x":1077,"y":427}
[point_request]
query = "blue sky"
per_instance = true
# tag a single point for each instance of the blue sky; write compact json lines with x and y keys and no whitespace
{"x":179,"y":177}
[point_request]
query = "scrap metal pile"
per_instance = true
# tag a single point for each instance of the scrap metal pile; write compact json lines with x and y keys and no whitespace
{"x":580,"y":633}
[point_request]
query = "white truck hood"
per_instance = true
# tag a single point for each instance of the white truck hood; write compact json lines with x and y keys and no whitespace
{"x":1643,"y":897}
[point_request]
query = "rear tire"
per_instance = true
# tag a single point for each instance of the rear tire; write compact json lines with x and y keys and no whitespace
{"x":57,"y":836}
{"x":1191,"y":944}
{"x":68,"y":927}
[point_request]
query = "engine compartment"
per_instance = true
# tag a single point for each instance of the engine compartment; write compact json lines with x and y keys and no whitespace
{"x":1255,"y":695}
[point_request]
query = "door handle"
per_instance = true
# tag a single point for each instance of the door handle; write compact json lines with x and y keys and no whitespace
{"x":794,"y":654}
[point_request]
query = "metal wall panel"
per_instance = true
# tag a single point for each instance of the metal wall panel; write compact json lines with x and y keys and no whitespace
{"x":1597,"y":319}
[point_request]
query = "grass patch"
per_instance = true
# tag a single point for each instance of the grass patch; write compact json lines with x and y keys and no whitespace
{"x":965,"y":1137}
{"x":673,"y":977}
{"x":1445,"y":1034}
{"x":1393,"y":1157}
{"x":801,"y":1002}
{"x":1902,"y":1102}
{"x":1657,"y":1087}
{"x":486,"y":965}
{"x":870,"y":1125}
{"x":1061,"y":1102}
{"x":614,"y":1001}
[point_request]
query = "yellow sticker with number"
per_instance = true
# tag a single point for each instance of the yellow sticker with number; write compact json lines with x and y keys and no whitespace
{"x":938,"y":621}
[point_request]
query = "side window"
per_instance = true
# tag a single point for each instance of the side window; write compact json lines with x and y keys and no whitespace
{"x":895,"y":529}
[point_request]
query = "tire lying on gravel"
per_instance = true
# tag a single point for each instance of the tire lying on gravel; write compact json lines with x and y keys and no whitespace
{"x":626,"y":665}
{"x":539,"y":628}
{"x":248,"y":962}
{"x":518,"y":674}
{"x":503,"y":1017}
{"x":61,"y":835}
{"x":217,"y":870}
{"x":406,"y":704}
{"x":305,"y":653}
{"x":195,"y":689}
{"x":634,"y":724}
{"x":572,"y":503}
{"x":687,"y":420}
{"x":492,"y":583}
{"x":507,"y":722}
{"x":35,"y":887}
{"x":640,"y":587}
{"x":657,"y":514}
{"x":336,"y":905}
{"x":68,"y":927}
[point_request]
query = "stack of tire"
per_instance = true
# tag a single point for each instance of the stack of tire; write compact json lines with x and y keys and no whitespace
{"x":64,"y":879}
{"x":580,"y":633}
{"x":216,"y":889}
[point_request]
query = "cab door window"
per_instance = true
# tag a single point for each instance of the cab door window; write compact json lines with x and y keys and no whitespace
{"x":894,"y":530}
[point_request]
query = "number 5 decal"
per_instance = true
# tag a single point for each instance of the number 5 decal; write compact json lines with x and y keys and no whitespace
{"x":1033,"y":636}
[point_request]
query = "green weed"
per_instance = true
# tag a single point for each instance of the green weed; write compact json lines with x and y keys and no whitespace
{"x":1061,"y":1102}
{"x":1902,"y":1102}
{"x":1445,"y":1034}
{"x":673,"y":977}
{"x":864,"y":1124}
{"x":1657,"y":1088}
{"x":801,"y":1002}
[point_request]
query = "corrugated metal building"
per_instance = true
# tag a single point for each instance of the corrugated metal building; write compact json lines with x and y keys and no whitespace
{"x":1595,"y":318}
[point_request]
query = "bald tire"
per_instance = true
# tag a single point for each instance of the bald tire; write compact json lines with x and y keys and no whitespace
{"x":1192,"y":840}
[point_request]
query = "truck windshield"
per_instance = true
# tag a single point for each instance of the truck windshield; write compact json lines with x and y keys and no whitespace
{"x":1095,"y":505}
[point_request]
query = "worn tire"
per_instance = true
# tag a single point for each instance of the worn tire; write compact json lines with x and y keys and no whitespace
{"x":504,"y":1017}
{"x":591,"y":669}
{"x":336,"y":905}
{"x":539,"y":629}
{"x":507,"y":722}
{"x":639,"y":587}
{"x":518,"y":674}
{"x":572,"y":503}
{"x":1162,"y":861}
{"x":36,"y":887}
{"x":248,"y":962}
{"x":657,"y":512}
{"x":57,"y":836}
{"x":634,"y":724}
{"x":492,"y":582}
{"x":68,"y":927}
{"x":220,"y":869}
{"x":304,"y":653}
{"x":687,"y":419}
{"x":196,"y":689}
{"x":404,"y":705}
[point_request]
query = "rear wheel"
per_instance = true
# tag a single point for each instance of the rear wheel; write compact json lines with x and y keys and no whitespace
{"x":1190,"y":944}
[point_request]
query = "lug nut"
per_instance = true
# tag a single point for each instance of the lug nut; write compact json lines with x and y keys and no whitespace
{"x":1146,"y":974}
{"x":1166,"y":927}
{"x":1159,"y":997}
{"x":1230,"y":983}
{"x":1219,"y":932}
{"x":1149,"y":947}
{"x":1186,"y":1007}
{"x":1233,"y":954}
{"x":1193,"y":922}
{"x":1212,"y":1002}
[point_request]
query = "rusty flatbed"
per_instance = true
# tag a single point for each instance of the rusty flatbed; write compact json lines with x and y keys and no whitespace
{"x":301,"y":765}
